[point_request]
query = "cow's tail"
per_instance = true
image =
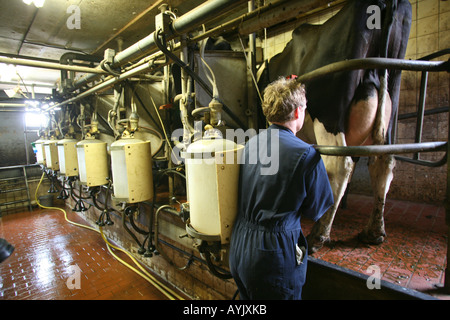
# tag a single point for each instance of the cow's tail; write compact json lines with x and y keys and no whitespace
{"x":379,"y":134}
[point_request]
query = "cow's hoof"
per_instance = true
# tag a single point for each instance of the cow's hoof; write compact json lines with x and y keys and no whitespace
{"x":315,"y":243}
{"x":369,"y":238}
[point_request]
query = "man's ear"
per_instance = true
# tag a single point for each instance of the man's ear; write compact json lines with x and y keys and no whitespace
{"x":296,"y":113}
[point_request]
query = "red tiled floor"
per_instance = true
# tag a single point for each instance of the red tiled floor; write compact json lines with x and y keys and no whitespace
{"x":413,"y":254}
{"x":47,"y":252}
{"x":46,"y":247}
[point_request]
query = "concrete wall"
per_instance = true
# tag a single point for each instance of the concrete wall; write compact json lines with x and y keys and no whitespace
{"x":14,"y":140}
{"x":430,"y":32}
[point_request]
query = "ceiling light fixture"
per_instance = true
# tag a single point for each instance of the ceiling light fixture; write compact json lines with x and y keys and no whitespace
{"x":7,"y":71}
{"x":37,"y":3}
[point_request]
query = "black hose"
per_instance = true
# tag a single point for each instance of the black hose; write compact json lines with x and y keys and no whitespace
{"x":107,"y":67}
{"x":94,"y":200}
{"x":75,"y":195}
{"x":150,"y":246}
{"x":213,"y":269}
{"x":124,"y":224}
{"x":105,"y":212}
{"x":161,"y":46}
{"x":133,"y":224}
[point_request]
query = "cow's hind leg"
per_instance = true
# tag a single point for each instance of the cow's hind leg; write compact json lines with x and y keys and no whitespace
{"x":381,"y":174}
{"x":339,"y":170}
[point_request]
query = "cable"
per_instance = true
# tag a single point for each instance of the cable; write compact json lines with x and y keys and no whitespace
{"x":162,"y":124}
{"x":251,"y":72}
{"x":169,"y":293}
{"x":161,"y":46}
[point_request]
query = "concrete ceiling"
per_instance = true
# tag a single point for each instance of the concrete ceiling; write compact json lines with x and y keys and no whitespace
{"x":50,"y":31}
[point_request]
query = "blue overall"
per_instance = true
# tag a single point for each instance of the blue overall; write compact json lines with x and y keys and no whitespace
{"x":267,"y":234}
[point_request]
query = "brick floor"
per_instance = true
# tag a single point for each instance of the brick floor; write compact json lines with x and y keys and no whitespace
{"x":49,"y":251}
{"x":47,"y":248}
{"x":414,"y":253}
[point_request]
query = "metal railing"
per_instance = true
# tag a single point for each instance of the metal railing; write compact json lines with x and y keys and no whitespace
{"x":394,"y":64}
{"x":394,"y":149}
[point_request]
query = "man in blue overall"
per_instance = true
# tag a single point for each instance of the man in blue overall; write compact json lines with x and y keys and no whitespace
{"x":281,"y":180}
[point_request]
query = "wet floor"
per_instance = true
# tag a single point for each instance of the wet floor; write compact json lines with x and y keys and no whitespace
{"x":55,"y":260}
{"x":49,"y":251}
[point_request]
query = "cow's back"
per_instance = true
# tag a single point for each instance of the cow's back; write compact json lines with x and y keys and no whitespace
{"x":344,"y":36}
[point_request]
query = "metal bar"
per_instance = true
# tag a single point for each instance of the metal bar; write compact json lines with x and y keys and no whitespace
{"x":18,"y":105}
{"x":421,"y":109}
{"x":375,"y":63}
{"x":424,"y":163}
{"x":362,"y":151}
{"x":202,"y":14}
{"x":13,"y":110}
{"x":12,"y":190}
{"x":270,"y":11}
{"x":28,"y":188}
{"x":281,"y":12}
{"x":447,"y":212}
{"x":20,"y":166}
{"x":25,"y":140}
{"x":106,"y":84}
{"x":193,"y":18}
{"x":436,"y":54}
{"x":181,"y":25}
{"x":427,"y":112}
{"x":50,"y":65}
{"x":8,"y":179}
{"x":28,"y":84}
{"x":13,"y":202}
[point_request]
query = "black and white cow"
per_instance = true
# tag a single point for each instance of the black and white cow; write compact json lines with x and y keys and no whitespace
{"x":342,"y":107}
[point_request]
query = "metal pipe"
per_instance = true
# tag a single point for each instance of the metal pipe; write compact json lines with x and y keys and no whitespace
{"x":181,"y":25}
{"x":374,"y":150}
{"x":375,"y":63}
{"x":12,"y":110}
{"x":262,"y":17}
{"x":106,"y":84}
{"x":447,"y":213}
{"x":251,"y":65}
{"x":424,"y":163}
{"x":280,"y":11}
{"x":25,"y":141}
{"x":50,"y":65}
{"x":12,"y":104}
{"x":426,"y":113}
{"x":68,"y":58}
{"x":421,"y":109}
{"x":27,"y":186}
{"x":36,"y":85}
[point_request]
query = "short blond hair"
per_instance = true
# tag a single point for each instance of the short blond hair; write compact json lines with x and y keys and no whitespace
{"x":281,"y":98}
